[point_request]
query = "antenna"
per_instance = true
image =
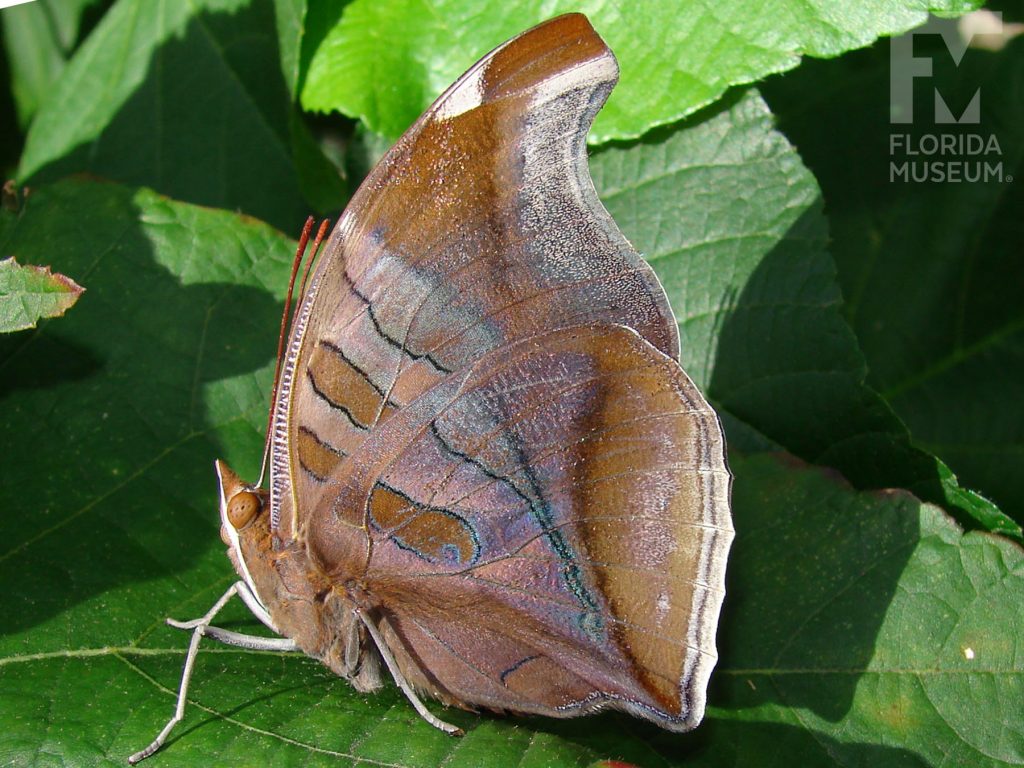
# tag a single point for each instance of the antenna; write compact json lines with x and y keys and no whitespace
{"x":287,"y":322}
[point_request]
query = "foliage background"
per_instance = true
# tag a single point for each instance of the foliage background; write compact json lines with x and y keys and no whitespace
{"x":863,"y":341}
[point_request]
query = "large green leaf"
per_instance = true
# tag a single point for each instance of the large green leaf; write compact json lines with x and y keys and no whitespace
{"x":301,"y":27}
{"x":732,"y":222}
{"x":187,"y":98}
{"x":109,"y":424}
{"x":933,"y":271}
{"x":387,"y":59}
{"x":863,"y":629}
{"x":857,"y":624}
{"x":860,"y":628}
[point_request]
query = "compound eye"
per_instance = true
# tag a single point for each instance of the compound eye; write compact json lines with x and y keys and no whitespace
{"x":243,"y":508}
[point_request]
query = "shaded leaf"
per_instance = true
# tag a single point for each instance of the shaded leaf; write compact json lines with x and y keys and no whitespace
{"x":29,"y":293}
{"x":321,"y":183}
{"x":388,"y":59}
{"x":187,"y":98}
{"x":933,"y":271}
{"x":732,"y":223}
{"x":290,"y":18}
{"x":1012,"y":12}
{"x":364,"y":151}
{"x":168,"y":366}
{"x":846,"y":625}
{"x":863,"y":629}
{"x":301,"y":27}
{"x":859,"y":629}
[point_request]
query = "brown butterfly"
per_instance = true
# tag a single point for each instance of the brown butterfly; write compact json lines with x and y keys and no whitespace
{"x":487,"y":469}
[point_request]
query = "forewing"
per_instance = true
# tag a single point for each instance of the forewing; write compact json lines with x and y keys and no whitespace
{"x":561,"y":505}
{"x":480,"y":227}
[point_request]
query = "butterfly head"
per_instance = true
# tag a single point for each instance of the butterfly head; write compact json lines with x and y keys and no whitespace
{"x":243,"y":510}
{"x":293,"y":600}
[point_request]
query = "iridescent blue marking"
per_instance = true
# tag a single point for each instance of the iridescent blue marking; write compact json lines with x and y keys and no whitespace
{"x":591,"y":620}
{"x":517,"y":665}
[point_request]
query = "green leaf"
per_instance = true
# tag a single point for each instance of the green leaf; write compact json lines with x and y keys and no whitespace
{"x":388,"y":59}
{"x":732,"y":222}
{"x":860,"y":628}
{"x":301,"y":27}
{"x":290,"y":16}
{"x":187,"y":98}
{"x":846,"y":629}
{"x":39,"y":38}
{"x":110,"y":423}
{"x":321,"y":183}
{"x":933,"y":270}
{"x":863,"y":629}
{"x":29,"y":293}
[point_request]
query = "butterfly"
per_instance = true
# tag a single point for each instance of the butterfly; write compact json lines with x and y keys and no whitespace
{"x":490,"y":477}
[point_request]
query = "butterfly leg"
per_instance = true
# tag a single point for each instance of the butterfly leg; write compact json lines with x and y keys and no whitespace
{"x":245,"y":593}
{"x":402,"y":683}
{"x":201,"y":627}
{"x":251,"y":642}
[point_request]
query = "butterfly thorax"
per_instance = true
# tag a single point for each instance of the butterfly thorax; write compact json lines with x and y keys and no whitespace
{"x":302,"y":602}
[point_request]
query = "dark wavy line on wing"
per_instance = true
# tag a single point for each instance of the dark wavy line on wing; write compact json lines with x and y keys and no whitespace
{"x":336,"y":406}
{"x":341,"y":353}
{"x":323,"y":444}
{"x":401,"y":347}
{"x":517,"y":665}
{"x":541,"y":512}
{"x":393,"y":533}
{"x":526,"y":413}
